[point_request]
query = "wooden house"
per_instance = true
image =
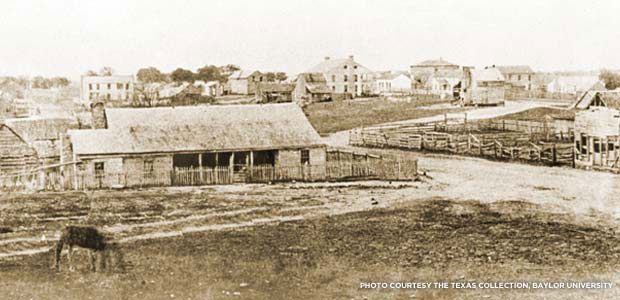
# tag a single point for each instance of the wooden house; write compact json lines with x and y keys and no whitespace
{"x":268,"y":92}
{"x":199,"y":145}
{"x":244,"y":82}
{"x":483,"y":87}
{"x":311,"y":88}
{"x":47,"y":136}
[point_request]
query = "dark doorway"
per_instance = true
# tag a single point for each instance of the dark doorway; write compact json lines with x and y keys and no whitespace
{"x":241,"y":160}
{"x":267,"y":157}
{"x":223,"y":159}
{"x":185,"y":161}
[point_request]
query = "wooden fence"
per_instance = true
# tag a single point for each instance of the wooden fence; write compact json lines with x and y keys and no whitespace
{"x":371,"y":167}
{"x":500,"y":145}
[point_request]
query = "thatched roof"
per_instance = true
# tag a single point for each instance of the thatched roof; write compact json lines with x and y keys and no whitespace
{"x":39,"y":129}
{"x":198,"y":128}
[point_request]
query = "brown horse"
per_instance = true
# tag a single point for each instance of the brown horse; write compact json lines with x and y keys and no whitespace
{"x":90,"y":238}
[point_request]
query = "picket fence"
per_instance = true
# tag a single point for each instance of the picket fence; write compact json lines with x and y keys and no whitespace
{"x":54,"y":179}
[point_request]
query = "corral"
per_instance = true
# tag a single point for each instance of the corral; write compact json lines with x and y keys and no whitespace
{"x":499,"y":139}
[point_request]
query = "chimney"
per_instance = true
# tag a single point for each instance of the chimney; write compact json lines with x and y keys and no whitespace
{"x":326,"y":57}
{"x":351,"y":57}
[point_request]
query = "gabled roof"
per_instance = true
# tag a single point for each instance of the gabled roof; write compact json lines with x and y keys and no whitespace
{"x":523,"y":69}
{"x":390,"y":75}
{"x":609,"y":99}
{"x":328,"y":65}
{"x":487,"y":74}
{"x":315,"y":83}
{"x":198,"y":128}
{"x":434,"y":63}
{"x":241,"y":74}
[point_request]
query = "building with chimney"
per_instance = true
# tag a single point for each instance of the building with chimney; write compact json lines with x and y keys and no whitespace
{"x":345,"y":76}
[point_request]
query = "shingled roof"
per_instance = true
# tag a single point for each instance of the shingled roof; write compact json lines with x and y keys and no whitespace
{"x":434,"y":63}
{"x":198,"y":128}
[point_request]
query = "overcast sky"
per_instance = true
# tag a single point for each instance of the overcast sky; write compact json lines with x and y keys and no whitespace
{"x":68,"y":37}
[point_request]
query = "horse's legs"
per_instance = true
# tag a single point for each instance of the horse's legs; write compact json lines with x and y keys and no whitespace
{"x":71,"y":268}
{"x":93,"y":260}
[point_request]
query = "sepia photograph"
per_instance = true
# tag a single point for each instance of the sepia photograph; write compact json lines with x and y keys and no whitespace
{"x":309,"y":149}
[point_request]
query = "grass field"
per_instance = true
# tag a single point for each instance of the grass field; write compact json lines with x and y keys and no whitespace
{"x":432,"y":240}
{"x":539,"y":113}
{"x":329,"y":117}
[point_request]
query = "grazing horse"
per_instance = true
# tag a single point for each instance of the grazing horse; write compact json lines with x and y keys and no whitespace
{"x":87,"y":237}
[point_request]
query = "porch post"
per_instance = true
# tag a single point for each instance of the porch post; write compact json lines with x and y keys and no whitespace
{"x":200,"y":176}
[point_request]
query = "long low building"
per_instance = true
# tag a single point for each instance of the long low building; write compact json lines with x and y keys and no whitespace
{"x":164,"y":145}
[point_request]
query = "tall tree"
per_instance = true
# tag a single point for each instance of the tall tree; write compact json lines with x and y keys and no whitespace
{"x":208,"y":73}
{"x":150,"y":74}
{"x":181,"y":74}
{"x":611,"y":79}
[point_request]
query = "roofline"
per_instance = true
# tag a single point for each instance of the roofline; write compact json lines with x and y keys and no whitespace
{"x":203,"y":151}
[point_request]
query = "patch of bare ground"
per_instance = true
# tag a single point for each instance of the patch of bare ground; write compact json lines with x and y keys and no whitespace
{"x":327,"y":257}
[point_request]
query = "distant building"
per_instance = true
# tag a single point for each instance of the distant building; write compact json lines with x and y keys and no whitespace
{"x":574,"y":84}
{"x":116,"y":88}
{"x":210,"y":88}
{"x":483,"y":87}
{"x":345,"y":76}
{"x":443,"y":82}
{"x":392,"y":82}
{"x":310,"y":88}
{"x":433,"y":65}
{"x":521,"y":77}
{"x":270,"y":92}
{"x":244,"y":82}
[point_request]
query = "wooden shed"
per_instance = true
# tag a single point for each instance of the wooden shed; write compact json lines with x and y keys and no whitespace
{"x":16,"y":155}
{"x":597,"y":138}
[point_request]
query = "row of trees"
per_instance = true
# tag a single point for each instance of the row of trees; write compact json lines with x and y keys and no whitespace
{"x":206,"y":73}
{"x":41,"y":82}
{"x":38,"y":82}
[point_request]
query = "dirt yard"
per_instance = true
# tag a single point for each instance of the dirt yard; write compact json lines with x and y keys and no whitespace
{"x":476,"y":220}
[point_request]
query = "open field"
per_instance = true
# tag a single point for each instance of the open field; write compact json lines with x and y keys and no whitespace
{"x":476,"y":220}
{"x":329,"y":117}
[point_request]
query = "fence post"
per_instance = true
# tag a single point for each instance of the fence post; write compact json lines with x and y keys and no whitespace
{"x":554,"y":154}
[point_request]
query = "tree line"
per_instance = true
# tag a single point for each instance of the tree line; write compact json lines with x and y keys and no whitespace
{"x":206,"y":73}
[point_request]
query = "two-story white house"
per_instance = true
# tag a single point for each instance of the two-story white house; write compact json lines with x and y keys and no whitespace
{"x":115,"y":88}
